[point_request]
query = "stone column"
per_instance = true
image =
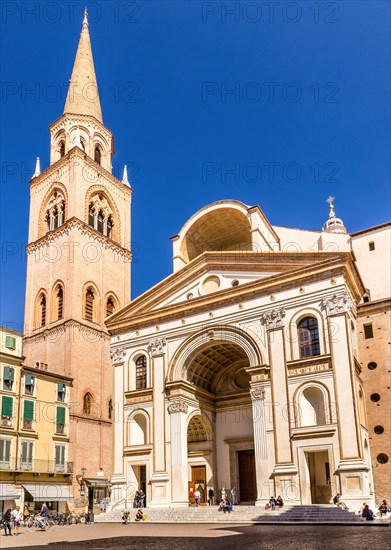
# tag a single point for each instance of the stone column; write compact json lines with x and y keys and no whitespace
{"x":285,"y":471}
{"x":178,"y":431}
{"x":159,"y":477}
{"x":260,"y":443}
{"x":118,"y":479}
{"x":352,"y":469}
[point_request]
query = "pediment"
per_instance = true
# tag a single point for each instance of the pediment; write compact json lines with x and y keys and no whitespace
{"x":209,"y":279}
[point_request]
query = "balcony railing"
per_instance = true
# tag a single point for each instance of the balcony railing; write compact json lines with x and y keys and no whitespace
{"x":40,"y":466}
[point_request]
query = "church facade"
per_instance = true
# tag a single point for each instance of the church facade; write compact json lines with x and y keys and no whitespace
{"x":241,"y":369}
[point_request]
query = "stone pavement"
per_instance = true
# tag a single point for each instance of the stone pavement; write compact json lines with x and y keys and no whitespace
{"x":200,"y":537}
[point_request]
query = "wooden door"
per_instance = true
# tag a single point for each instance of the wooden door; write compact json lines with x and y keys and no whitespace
{"x":247,"y":479}
{"x":198,"y":478}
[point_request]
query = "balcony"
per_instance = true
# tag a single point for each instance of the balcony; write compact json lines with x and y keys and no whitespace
{"x":6,"y":422}
{"x":38,"y":466}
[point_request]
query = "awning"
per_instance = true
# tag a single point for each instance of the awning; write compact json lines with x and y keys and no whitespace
{"x":97,"y":481}
{"x":9,"y":492}
{"x":41,"y":492}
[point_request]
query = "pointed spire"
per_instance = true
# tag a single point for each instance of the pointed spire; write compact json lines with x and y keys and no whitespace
{"x":83,"y":95}
{"x":37,"y":168}
{"x":333,"y":224}
{"x":125,"y":176}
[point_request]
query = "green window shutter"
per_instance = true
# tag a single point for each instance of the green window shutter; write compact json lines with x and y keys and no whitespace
{"x":60,"y":387}
{"x":6,"y":406}
{"x":28,"y":410}
{"x":9,"y":374}
{"x":60,"y":417}
{"x":10,"y":342}
{"x":28,"y":379}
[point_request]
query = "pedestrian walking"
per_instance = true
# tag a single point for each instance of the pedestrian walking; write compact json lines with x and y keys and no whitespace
{"x":17,"y":516}
{"x":197,"y":496}
{"x":211,"y":496}
{"x":7,"y":522}
{"x":141,"y":498}
{"x":233,"y":495}
{"x":104,"y":505}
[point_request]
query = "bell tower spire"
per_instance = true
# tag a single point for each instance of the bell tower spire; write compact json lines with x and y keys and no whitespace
{"x":83,"y":94}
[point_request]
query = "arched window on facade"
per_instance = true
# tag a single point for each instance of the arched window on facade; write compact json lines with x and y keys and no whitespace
{"x":60,"y":302}
{"x":110,"y":410}
{"x":42,"y":310}
{"x":97,"y":154}
{"x":83,"y":145}
{"x":55,"y":212}
{"x":62,"y":148}
{"x":308,"y":333}
{"x":141,"y":372}
{"x":312,"y":407}
{"x":89,"y":305}
{"x":109,"y":306}
{"x":100,"y":216}
{"x":87,"y":401}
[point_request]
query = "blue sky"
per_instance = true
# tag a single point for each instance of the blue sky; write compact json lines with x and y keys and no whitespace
{"x":207,"y":100}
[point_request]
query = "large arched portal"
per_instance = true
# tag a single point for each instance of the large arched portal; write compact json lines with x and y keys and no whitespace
{"x":219,"y":422}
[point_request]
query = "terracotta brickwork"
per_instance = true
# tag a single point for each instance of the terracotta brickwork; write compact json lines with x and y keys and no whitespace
{"x":376,"y":368}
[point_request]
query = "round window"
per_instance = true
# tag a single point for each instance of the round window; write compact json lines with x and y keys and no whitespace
{"x":378,"y":430}
{"x":375,"y":397}
{"x":235,"y":282}
{"x":382,"y":458}
{"x":372,"y":365}
{"x":211,"y":284}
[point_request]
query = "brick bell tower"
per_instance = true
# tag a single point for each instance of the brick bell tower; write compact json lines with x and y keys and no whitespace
{"x":78,"y":270}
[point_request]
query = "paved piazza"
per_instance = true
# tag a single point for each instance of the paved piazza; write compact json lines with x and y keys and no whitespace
{"x":200,"y":537}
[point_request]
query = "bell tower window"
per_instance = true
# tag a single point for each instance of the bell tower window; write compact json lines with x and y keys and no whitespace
{"x":110,"y":307}
{"x":89,"y":305}
{"x":42,"y":305}
{"x":60,"y":302}
{"x":55,"y":212}
{"x":97,"y":155}
{"x":100,"y":215}
{"x":62,"y":149}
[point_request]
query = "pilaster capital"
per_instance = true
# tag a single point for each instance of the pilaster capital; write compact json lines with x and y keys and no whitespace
{"x":117,"y":355}
{"x":274,"y":318}
{"x":179,"y":405}
{"x":337,"y":304}
{"x":156,"y":346}
{"x":257,"y":394}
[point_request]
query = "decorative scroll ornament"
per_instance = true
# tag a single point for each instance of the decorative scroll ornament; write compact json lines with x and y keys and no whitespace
{"x":117,"y":355}
{"x":178,"y":405}
{"x":257,"y":394}
{"x":273,"y":319}
{"x":156,"y":346}
{"x":337,"y":304}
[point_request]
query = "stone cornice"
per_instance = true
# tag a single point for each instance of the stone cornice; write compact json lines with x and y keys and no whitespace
{"x":63,"y":163}
{"x":80,"y":119}
{"x":377,"y":306}
{"x":44,"y":333}
{"x":340,"y":265}
{"x":75,"y":223}
{"x":49,"y":374}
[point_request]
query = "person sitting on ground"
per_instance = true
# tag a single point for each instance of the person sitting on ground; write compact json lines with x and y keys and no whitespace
{"x":227,"y":506}
{"x":368,"y":514}
{"x":384,"y":508}
{"x":272,"y":503}
{"x":125,"y":517}
{"x":139,"y":515}
{"x":279,"y":501}
{"x":338,"y":502}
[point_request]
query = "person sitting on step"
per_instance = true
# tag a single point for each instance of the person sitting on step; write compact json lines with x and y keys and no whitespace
{"x":368,"y":514}
{"x":384,"y":508}
{"x":338,"y":502}
{"x":279,"y":501}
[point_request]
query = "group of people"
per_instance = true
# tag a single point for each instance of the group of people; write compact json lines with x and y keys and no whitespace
{"x":140,"y":516}
{"x":225,"y":506}
{"x":369,"y":515}
{"x":15,"y":518}
{"x":274,"y":503}
{"x":139,"y":499}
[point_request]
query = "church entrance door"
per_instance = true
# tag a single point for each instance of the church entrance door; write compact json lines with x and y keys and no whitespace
{"x":319,"y":474}
{"x":198,"y":482}
{"x":247,"y":478}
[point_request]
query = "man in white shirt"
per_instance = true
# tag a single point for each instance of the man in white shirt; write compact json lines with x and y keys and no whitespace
{"x":17,"y":517}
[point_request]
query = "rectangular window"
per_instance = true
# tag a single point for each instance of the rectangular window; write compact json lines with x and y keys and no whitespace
{"x":28,"y":415}
{"x":59,"y":458}
{"x":6,"y":411}
{"x":29,"y":382}
{"x":26,"y":455}
{"x":61,"y":392}
{"x":10,"y":342}
{"x":368,"y":331}
{"x":8,"y":378}
{"x":5,"y":454}
{"x":60,"y":420}
{"x":371,"y":246}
